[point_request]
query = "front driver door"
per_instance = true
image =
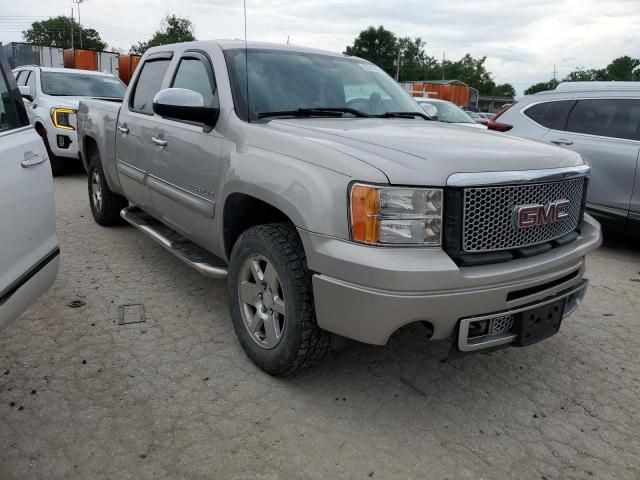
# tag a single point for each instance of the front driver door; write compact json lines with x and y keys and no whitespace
{"x":185,"y":167}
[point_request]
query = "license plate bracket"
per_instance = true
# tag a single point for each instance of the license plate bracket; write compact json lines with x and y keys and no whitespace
{"x":539,"y":323}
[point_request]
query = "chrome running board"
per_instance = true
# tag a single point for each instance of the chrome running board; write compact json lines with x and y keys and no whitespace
{"x":187,"y":251}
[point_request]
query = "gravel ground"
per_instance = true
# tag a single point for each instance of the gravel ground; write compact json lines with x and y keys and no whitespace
{"x":175,"y":397}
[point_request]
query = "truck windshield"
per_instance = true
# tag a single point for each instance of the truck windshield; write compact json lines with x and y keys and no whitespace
{"x":81,"y":85}
{"x":286,"y":81}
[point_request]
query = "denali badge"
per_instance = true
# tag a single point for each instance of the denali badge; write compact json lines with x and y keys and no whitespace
{"x":526,"y":216}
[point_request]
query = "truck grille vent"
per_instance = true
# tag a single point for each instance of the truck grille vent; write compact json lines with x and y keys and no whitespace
{"x":487,"y":223}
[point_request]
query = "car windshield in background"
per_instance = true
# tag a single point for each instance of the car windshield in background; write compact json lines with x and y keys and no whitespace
{"x":446,"y":112}
{"x":284,"y":81}
{"x":79,"y":85}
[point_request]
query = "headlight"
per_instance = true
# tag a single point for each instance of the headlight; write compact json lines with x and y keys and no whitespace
{"x":65,"y":118}
{"x":396,"y":215}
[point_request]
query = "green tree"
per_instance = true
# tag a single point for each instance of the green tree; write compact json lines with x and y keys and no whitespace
{"x":172,"y":30}
{"x":541,"y":87}
{"x":586,"y":75}
{"x":56,"y":32}
{"x":414,"y":62}
{"x":379,"y":46}
{"x":623,"y":69}
{"x":504,"y":90}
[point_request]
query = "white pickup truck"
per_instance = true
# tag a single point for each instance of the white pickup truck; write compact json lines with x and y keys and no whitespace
{"x":29,"y":252}
{"x":332,"y":203}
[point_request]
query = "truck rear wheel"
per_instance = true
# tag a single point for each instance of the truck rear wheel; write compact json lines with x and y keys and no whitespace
{"x":271,"y":300}
{"x":105,"y":204}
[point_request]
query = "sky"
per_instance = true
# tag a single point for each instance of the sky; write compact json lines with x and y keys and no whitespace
{"x":523,"y":40}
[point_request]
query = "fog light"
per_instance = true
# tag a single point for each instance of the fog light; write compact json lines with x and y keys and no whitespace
{"x":478,"y":328}
{"x":573,"y":301}
{"x":63,"y":141}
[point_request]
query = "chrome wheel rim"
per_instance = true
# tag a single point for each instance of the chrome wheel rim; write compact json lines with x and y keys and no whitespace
{"x":262,"y":302}
{"x":96,"y":191}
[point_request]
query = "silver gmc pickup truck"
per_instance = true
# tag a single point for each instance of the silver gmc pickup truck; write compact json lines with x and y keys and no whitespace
{"x":331,"y":203}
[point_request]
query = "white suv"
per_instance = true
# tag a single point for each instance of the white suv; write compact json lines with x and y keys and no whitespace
{"x":29,"y":252}
{"x":51,"y":96}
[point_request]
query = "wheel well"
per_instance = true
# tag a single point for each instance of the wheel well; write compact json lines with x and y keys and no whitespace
{"x":40,"y":128}
{"x":242,"y":212}
{"x":90,"y":147}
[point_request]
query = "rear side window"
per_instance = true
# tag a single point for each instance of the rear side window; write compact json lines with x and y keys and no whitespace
{"x":31,"y":83}
{"x":550,"y":114}
{"x":148,"y":84}
{"x":618,"y":118}
{"x":10,"y":108}
{"x":193,"y":75}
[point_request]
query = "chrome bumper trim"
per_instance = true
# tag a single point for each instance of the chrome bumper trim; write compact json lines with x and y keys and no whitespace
{"x":487,"y":341}
{"x":516,"y":177}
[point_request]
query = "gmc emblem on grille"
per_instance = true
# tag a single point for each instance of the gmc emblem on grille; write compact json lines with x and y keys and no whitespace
{"x":527,"y":216}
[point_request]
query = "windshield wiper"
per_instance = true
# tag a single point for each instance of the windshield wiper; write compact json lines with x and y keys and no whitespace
{"x":319,"y":111}
{"x":404,"y":115}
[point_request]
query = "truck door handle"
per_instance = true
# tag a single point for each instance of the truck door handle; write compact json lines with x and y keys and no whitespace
{"x":158,"y":142}
{"x":32,"y":161}
{"x":122,"y":129}
{"x":562,"y":141}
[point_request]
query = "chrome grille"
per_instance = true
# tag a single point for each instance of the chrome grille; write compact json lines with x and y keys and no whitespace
{"x":488,"y":214}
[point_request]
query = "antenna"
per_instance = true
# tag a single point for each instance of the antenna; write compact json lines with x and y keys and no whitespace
{"x":246,"y":57}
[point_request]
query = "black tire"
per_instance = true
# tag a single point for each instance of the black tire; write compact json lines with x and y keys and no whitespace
{"x":107,"y":213}
{"x":57,"y":165}
{"x":302,"y":343}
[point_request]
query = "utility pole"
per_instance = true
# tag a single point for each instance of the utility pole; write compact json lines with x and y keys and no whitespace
{"x":555,"y":73}
{"x":443,"y":65}
{"x":78,"y":2}
{"x":398,"y":66}
{"x":71,"y":28}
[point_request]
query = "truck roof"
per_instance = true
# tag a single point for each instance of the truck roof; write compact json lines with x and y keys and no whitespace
{"x":236,"y":44}
{"x":71,"y":71}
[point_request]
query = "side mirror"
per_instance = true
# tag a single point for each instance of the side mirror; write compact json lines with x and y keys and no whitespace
{"x":25,"y":92}
{"x":183,"y":104}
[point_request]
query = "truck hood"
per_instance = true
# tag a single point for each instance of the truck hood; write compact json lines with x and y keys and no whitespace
{"x":415,"y":152}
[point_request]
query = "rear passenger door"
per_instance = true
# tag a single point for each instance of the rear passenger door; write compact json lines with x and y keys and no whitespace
{"x":606,"y":132}
{"x":135,"y":127}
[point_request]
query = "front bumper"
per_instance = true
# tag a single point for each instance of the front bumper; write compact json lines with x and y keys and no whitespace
{"x":367,"y":293}
{"x":63,"y":143}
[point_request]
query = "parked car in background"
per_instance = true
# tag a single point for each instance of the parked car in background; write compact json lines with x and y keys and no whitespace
{"x":330,"y":202}
{"x":51,"y":96}
{"x":599,"y":120}
{"x":481,"y":117}
{"x":446,"y":112}
{"x":29,"y":252}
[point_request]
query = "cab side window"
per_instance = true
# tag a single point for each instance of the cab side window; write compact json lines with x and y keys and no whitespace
{"x":149,"y":83}
{"x":192,"y":74}
{"x":550,"y":114}
{"x":10,"y":108}
{"x":31,"y":83}
{"x":617,"y":118}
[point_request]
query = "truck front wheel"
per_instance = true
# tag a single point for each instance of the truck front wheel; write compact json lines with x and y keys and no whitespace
{"x":271,"y":300}
{"x":105,"y":204}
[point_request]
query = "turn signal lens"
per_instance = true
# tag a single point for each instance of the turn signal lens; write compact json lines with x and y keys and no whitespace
{"x":390,"y":215}
{"x":365,"y":207}
{"x":64,"y":118}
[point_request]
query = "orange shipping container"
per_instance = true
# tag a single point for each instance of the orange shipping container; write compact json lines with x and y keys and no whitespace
{"x":81,"y":59}
{"x":127,"y":65}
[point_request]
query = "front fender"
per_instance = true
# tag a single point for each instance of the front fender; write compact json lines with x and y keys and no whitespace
{"x":312,"y":197}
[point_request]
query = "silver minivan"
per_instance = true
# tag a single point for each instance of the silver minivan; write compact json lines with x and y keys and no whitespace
{"x":599,"y":120}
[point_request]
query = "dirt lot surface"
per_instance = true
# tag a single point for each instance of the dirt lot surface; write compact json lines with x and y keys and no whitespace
{"x":175,"y":397}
